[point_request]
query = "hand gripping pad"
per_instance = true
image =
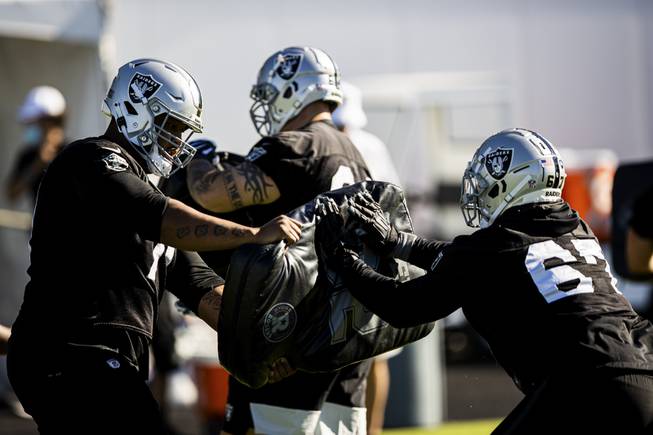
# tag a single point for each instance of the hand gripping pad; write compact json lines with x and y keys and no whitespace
{"x":276,"y":304}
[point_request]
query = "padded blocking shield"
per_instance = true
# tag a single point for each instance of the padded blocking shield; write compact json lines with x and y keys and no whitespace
{"x":276,"y":303}
{"x":630,"y":181}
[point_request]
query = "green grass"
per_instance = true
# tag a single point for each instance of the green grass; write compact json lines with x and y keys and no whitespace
{"x":478,"y":427}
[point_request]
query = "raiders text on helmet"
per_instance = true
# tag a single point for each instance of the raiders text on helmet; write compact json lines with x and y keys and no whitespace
{"x":511,"y":168}
{"x":146,"y":97}
{"x":290,"y":80}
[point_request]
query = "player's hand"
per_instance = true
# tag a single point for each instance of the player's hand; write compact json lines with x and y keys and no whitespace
{"x":378,"y":234}
{"x":280,"y":369}
{"x":329,"y":229}
{"x":280,"y":228}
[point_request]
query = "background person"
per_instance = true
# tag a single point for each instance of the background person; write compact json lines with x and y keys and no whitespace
{"x":351,"y":119}
{"x":105,"y":245}
{"x":43,"y":115}
{"x":541,"y":292}
{"x":301,"y":155}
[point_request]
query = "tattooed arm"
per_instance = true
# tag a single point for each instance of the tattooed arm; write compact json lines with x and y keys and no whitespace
{"x":190,"y":230}
{"x":209,"y":307}
{"x":231,"y":189}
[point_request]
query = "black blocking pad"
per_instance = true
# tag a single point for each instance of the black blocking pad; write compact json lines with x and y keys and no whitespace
{"x":276,"y":303}
{"x":630,"y":181}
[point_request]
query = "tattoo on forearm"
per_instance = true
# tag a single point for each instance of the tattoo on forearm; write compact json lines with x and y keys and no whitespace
{"x":219,"y":231}
{"x":183,"y":232}
{"x":254,"y":182}
{"x":201,"y":230}
{"x":238,"y":232}
{"x":232,"y":189}
{"x":213,"y":300}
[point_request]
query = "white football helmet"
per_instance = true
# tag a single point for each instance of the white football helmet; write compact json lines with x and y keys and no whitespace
{"x":511,"y":168}
{"x":290,"y":80}
{"x":146,"y":97}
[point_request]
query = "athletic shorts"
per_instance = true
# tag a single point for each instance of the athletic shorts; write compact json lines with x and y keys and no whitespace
{"x":295,"y":404}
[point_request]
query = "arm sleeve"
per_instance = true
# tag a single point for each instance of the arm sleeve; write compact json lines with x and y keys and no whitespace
{"x":190,"y":279}
{"x":642,"y":216}
{"x":402,"y":304}
{"x":417,"y":250}
{"x":122,"y":198}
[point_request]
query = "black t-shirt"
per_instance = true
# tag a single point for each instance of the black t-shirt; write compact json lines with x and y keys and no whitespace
{"x":97,"y":272}
{"x":535,"y":285}
{"x":304,"y":163}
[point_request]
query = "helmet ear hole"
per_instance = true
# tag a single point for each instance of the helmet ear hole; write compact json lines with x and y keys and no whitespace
{"x":288,"y":93}
{"x":494,"y":191}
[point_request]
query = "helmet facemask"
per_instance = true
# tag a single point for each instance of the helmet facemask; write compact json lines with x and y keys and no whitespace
{"x":470,"y":202}
{"x":172,"y":151}
{"x":164,"y":149}
{"x":263,"y":95}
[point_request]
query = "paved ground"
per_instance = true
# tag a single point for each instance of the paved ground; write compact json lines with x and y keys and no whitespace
{"x":474,"y":391}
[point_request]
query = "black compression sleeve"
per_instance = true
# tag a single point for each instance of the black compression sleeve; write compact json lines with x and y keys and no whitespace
{"x":424,"y":252}
{"x":402,"y":304}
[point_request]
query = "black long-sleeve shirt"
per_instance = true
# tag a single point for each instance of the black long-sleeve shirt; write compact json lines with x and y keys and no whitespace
{"x":535,"y":285}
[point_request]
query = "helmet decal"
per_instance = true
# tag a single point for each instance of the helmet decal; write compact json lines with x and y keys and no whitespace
{"x":498,"y":162}
{"x":142,"y":86}
{"x":288,"y":65}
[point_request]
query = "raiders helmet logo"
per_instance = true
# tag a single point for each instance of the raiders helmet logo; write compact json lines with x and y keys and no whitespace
{"x":288,"y":65}
{"x":498,"y":162}
{"x":279,"y":322}
{"x":142,"y":86}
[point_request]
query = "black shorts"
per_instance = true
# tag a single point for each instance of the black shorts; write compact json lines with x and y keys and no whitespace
{"x":96,"y":392}
{"x":303,"y":391}
{"x":598,"y":402}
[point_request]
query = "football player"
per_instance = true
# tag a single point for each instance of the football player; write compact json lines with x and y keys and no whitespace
{"x":43,"y":115}
{"x":301,"y":155}
{"x":533,"y":281}
{"x":105,"y":245}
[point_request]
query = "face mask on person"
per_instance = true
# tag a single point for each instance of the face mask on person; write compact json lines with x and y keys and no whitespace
{"x":33,"y":134}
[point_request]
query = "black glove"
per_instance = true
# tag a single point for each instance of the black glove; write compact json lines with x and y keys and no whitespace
{"x":329,"y":229}
{"x":378,"y":234}
{"x":205,"y":149}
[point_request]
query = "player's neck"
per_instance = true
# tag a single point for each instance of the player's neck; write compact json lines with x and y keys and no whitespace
{"x":314,"y":112}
